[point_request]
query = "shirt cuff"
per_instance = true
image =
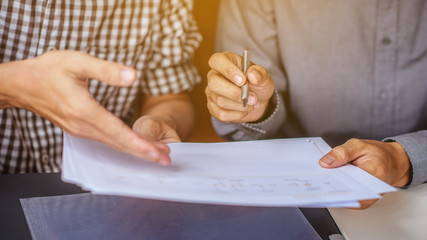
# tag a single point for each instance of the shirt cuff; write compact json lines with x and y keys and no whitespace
{"x":252,"y":131}
{"x":415,"y":145}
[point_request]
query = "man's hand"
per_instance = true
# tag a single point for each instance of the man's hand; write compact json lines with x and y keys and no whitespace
{"x":165,"y":118}
{"x":387,"y":161}
{"x":156,"y":129}
{"x":223,"y":90}
{"x":54,"y":86}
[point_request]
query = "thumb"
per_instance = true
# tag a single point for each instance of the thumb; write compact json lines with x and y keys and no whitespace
{"x":343,"y":154}
{"x":259,"y":76}
{"x":262,"y":85}
{"x":85,"y":66}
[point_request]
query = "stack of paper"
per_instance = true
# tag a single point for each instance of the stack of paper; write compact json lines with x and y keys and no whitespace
{"x":283,"y":172}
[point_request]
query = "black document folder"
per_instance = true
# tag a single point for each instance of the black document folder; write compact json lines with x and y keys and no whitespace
{"x":89,"y":216}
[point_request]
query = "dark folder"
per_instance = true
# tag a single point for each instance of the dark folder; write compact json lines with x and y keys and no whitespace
{"x":89,"y":216}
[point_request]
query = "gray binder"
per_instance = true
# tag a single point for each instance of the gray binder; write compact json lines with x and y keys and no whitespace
{"x":89,"y":216}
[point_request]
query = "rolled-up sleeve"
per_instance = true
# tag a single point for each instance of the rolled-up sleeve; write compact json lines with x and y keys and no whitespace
{"x":175,"y":37}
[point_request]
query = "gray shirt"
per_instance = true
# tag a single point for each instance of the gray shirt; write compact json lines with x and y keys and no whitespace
{"x":342,"y":69}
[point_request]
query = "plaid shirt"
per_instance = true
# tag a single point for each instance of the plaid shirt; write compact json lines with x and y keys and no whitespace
{"x":157,"y":37}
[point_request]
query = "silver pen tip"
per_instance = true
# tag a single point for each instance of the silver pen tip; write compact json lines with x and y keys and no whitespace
{"x":245,"y":102}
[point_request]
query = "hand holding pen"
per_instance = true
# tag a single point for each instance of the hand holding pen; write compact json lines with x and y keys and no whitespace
{"x":233,"y":83}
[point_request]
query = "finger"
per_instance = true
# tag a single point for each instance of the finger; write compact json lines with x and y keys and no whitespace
{"x":168,"y":136}
{"x":226,"y":91}
{"x":221,"y":86}
{"x":171,"y":137}
{"x":258,"y":76}
{"x":124,"y":139}
{"x":260,"y":83}
{"x":154,"y":129}
{"x":105,"y":127}
{"x":228,"y":104}
{"x":84,"y":66}
{"x":228,"y":65}
{"x":341,"y":155}
{"x":225,"y":115}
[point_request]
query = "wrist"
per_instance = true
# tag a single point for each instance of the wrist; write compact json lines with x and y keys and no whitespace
{"x":269,"y":108}
{"x":403,"y":164}
{"x":15,"y":84}
{"x":8,"y":77}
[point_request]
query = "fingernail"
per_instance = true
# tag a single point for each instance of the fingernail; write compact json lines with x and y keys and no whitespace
{"x":256,"y":75}
{"x":153,"y":156}
{"x":163,"y":147}
{"x":238,"y":79}
{"x":164,"y":162}
{"x":328,"y":160}
{"x":127,"y":76}
{"x":251,"y":100}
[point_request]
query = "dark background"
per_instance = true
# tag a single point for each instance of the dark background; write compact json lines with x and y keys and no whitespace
{"x":205,"y":12}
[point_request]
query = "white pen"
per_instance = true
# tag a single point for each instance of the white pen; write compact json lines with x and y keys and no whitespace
{"x":245,"y":88}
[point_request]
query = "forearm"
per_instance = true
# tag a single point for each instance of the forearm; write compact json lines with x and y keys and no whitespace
{"x":176,"y":110}
{"x":8,"y":77}
{"x":22,"y":83}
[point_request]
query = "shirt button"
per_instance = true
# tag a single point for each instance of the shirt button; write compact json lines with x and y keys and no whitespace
{"x":45,"y":158}
{"x":386,"y":41}
{"x":50,"y":48}
{"x":383,"y":95}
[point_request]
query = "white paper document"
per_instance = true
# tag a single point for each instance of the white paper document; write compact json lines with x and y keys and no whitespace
{"x":281,"y":172}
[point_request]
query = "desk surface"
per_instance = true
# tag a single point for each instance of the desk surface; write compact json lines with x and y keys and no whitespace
{"x":398,"y":215}
{"x":15,"y":186}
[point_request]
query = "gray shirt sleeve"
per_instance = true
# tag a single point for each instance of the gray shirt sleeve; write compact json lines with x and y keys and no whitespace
{"x":237,"y":23}
{"x":373,"y":80}
{"x":415,"y":145}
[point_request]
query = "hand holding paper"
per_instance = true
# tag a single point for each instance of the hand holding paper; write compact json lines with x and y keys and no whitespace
{"x":281,"y":172}
{"x":155,"y":129}
{"x":387,"y":161}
